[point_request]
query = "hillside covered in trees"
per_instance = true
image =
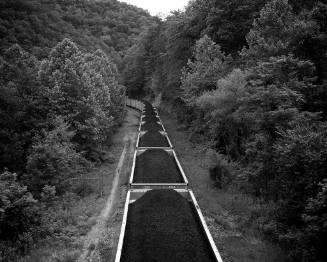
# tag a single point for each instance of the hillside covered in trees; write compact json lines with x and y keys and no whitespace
{"x":246,"y":79}
{"x":38,"y":25}
{"x":249,"y":80}
{"x":60,"y":104}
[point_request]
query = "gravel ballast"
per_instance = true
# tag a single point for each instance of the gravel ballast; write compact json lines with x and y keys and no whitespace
{"x":163,"y":226}
{"x":156,"y":166}
{"x":153,"y":139}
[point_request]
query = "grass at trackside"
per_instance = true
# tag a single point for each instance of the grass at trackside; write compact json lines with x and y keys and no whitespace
{"x":229,"y":215}
{"x":73,"y":216}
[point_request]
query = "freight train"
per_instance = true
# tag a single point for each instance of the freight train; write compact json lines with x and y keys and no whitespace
{"x":162,"y":220}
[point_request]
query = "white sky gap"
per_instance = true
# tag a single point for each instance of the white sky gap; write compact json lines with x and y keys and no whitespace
{"x":156,"y":7}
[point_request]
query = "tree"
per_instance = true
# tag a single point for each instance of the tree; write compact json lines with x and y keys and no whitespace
{"x":276,"y":32}
{"x":316,"y":219}
{"x":133,"y":72}
{"x":38,"y":25}
{"x":229,"y":128}
{"x":274,"y":103}
{"x":301,"y":154}
{"x":22,"y":106}
{"x":19,"y":217}
{"x":106,"y":95}
{"x":53,"y":159}
{"x":84,"y":89}
{"x":200,"y":75}
{"x":314,"y":48}
{"x":229,"y":21}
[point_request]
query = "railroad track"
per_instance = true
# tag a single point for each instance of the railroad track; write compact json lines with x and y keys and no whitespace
{"x":162,"y":220}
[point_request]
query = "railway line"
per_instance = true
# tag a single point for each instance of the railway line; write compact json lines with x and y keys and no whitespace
{"x":162,"y":220}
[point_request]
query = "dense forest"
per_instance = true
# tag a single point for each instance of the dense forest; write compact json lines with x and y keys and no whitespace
{"x":60,"y":103}
{"x":38,"y":25}
{"x":248,"y":79}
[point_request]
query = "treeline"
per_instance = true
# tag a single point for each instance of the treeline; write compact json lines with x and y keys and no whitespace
{"x":38,"y":25}
{"x":60,"y":103}
{"x":57,"y":118}
{"x":249,"y":79}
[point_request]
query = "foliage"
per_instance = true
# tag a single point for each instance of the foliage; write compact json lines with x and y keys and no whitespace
{"x":60,"y":103}
{"x":248,"y":79}
{"x":56,"y":116}
{"x":141,"y":60}
{"x":301,"y":153}
{"x":20,"y":106}
{"x":228,"y":127}
{"x":133,"y":73}
{"x":19,"y":217}
{"x":38,"y":25}
{"x":81,"y":87}
{"x":228,"y":22}
{"x":302,"y":157}
{"x":52,"y":159}
{"x":170,"y":43}
{"x":221,"y":170}
{"x":276,"y":32}
{"x":315,"y":219}
{"x":201,"y":75}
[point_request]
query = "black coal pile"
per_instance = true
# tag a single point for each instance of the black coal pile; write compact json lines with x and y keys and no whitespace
{"x":151,"y":118}
{"x":153,"y":139}
{"x":162,"y":226}
{"x":151,"y":126}
{"x":156,"y":166}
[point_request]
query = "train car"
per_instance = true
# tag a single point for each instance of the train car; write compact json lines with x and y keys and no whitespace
{"x":162,"y":220}
{"x":206,"y":239}
{"x":155,"y":140}
{"x":175,"y":176}
{"x":143,"y":124}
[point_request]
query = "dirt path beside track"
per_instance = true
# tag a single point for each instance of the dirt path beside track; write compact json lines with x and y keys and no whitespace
{"x":106,"y":222}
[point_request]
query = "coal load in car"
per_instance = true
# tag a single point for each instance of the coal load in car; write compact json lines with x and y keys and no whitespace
{"x":153,"y":139}
{"x":152,"y":118}
{"x":148,"y":106}
{"x":146,"y":103}
{"x":150,"y":112}
{"x":163,"y":226}
{"x":151,"y":126}
{"x":156,"y":166}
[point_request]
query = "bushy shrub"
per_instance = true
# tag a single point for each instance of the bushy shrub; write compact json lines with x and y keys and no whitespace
{"x":301,"y":154}
{"x":315,"y":218}
{"x":228,"y":126}
{"x":222,"y":171}
{"x":19,"y":217}
{"x":53,"y":159}
{"x":300,"y":179}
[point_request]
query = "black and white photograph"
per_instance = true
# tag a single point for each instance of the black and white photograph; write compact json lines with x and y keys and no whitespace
{"x":163,"y":131}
